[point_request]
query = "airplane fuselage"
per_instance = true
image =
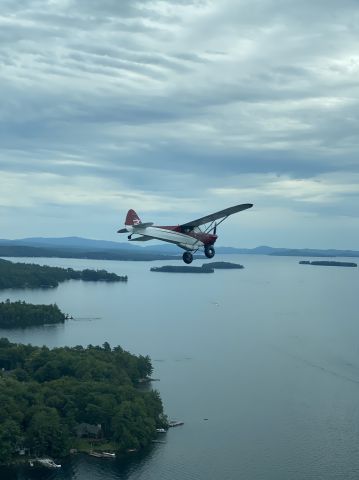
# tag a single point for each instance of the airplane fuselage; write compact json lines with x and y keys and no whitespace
{"x":185,"y":237}
{"x":188,"y":236}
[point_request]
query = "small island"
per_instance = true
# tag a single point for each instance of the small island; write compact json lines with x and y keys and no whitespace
{"x":182,"y":269}
{"x":68,"y":399}
{"x":21,"y":314}
{"x":27,"y":275}
{"x":328,"y":263}
{"x":205,"y":268}
{"x":223,"y":265}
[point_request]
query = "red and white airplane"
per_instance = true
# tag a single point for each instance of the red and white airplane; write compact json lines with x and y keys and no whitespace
{"x":188,"y":236}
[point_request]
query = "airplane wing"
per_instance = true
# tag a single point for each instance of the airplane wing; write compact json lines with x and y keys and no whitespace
{"x":215,"y":216}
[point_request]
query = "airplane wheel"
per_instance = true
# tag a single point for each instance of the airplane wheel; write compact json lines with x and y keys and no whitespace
{"x":209,"y":251}
{"x":187,"y":257}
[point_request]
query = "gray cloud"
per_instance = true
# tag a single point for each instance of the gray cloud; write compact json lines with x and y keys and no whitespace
{"x":172,"y":99}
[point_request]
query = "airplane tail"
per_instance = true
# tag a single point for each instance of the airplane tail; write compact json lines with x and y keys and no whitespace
{"x":132,"y":218}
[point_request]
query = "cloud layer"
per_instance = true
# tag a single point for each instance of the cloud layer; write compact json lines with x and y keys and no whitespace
{"x":178,"y":108}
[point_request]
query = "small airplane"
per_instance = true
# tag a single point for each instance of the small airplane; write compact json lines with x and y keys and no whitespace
{"x":188,"y":236}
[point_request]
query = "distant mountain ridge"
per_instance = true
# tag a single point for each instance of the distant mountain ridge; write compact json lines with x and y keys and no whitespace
{"x":78,"y":247}
{"x":66,"y":242}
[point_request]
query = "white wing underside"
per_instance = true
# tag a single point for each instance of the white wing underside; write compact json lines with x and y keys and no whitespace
{"x":154,"y":233}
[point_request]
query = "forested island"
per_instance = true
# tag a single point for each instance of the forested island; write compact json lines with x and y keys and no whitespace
{"x":205,"y":268}
{"x":54,"y":400}
{"x":182,"y":269}
{"x":224,"y":265}
{"x":20,"y":275}
{"x":21,"y":314}
{"x":328,"y":263}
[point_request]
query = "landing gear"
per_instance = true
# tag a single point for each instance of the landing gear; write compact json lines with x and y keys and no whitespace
{"x":187,"y":257}
{"x":209,"y":251}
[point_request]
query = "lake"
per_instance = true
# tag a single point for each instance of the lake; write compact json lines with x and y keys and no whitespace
{"x":261,"y":364}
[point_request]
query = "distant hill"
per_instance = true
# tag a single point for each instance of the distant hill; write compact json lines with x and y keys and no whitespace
{"x":77,"y":247}
{"x":68,"y":242}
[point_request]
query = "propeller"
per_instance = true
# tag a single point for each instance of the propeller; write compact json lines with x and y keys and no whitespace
{"x":215,"y":229}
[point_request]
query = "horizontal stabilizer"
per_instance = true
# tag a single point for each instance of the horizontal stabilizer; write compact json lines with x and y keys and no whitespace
{"x":142,"y":225}
{"x":142,"y":238}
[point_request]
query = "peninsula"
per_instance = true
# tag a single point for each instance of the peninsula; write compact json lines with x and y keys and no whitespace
{"x":21,"y":314}
{"x":55,"y":400}
{"x":26,"y":275}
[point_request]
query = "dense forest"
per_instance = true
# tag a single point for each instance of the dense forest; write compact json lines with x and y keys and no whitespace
{"x":21,"y":314}
{"x":19,"y":275}
{"x":46,"y":395}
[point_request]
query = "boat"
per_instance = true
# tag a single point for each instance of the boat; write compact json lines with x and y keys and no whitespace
{"x":43,"y":462}
{"x":102,"y":454}
{"x":108,"y":455}
{"x":95,"y":454}
{"x":160,"y":430}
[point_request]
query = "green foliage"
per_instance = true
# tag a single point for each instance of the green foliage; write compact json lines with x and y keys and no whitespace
{"x":46,"y":393}
{"x":21,"y":314}
{"x":19,"y":275}
{"x":98,"y":275}
{"x":132,"y":424}
{"x":46,"y":434}
{"x":10,"y":435}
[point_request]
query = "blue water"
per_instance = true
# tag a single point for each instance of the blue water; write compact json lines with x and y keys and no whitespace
{"x":269,"y":355}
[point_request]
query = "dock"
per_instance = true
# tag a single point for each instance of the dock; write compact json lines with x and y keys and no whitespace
{"x":175,"y":423}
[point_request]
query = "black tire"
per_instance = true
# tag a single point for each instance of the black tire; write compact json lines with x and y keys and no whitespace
{"x":187,"y":257}
{"x":209,"y":251}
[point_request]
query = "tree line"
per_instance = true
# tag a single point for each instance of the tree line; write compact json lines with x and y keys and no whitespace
{"x":46,"y":394}
{"x":19,"y":275}
{"x":21,"y":314}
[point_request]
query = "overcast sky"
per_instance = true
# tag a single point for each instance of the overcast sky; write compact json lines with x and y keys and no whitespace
{"x":178,"y":109}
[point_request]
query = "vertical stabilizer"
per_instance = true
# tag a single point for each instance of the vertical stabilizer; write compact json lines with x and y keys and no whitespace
{"x":132,"y":218}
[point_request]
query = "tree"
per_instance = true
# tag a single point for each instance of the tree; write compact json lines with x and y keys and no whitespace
{"x":10,"y":435}
{"x":47,"y":393}
{"x":46,"y":434}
